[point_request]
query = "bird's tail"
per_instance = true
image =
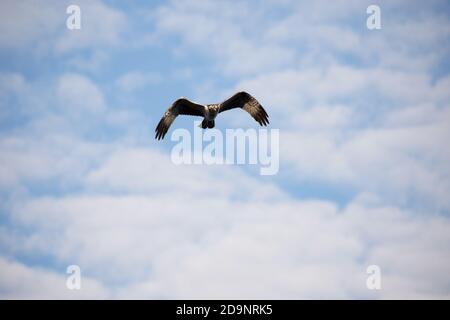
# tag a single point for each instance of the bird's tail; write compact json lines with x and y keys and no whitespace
{"x":207,"y":124}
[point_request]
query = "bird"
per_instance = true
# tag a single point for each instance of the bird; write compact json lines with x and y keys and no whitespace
{"x":209,"y":112}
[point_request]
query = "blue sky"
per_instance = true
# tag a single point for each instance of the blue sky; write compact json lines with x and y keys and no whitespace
{"x":364,"y":120}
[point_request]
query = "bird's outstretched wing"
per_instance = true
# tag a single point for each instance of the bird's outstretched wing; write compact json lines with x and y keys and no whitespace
{"x":180,"y":106}
{"x":245,"y":101}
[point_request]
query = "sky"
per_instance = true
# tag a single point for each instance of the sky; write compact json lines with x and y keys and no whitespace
{"x":364,"y":123}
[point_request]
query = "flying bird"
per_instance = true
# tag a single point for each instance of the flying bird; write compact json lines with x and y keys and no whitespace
{"x":209,"y":112}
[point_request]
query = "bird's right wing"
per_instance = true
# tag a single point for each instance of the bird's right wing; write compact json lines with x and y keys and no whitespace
{"x":180,"y":106}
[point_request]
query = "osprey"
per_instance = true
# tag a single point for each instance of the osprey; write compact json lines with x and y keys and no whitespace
{"x":209,"y":112}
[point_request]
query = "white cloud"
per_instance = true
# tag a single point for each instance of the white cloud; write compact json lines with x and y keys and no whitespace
{"x":209,"y":247}
{"x":43,"y":157}
{"x":43,"y":25}
{"x":14,"y":82}
{"x":405,"y":165}
{"x":224,"y":31}
{"x":137,"y":80}
{"x":320,"y":118}
{"x":93,"y":63}
{"x":101,"y":26}
{"x":24,"y":22}
{"x":78,"y":94}
{"x":19,"y":281}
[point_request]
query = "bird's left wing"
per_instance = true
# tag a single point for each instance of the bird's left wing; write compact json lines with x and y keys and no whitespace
{"x":180,"y":106}
{"x":245,"y":101}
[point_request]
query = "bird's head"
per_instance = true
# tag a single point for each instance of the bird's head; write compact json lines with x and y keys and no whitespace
{"x":213,"y":109}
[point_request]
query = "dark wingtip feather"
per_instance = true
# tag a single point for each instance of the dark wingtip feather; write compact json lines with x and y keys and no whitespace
{"x":160,"y":130}
{"x":261,"y":117}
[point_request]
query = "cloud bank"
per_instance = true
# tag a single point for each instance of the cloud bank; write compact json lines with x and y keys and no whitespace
{"x":364,"y":176}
